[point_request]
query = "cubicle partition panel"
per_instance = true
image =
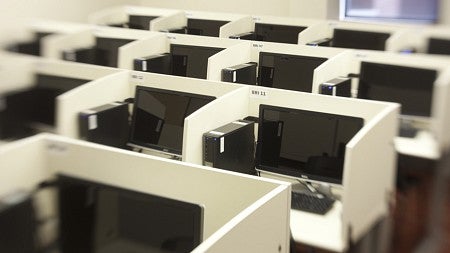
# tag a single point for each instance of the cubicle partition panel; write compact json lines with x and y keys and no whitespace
{"x":153,"y":45}
{"x":18,"y":75}
{"x":231,"y":56}
{"x":415,"y":39}
{"x":441,"y":110}
{"x":175,"y":20}
{"x":228,"y":108}
{"x":235,"y":27}
{"x":370,"y":173}
{"x":54,"y":46}
{"x":110,"y":88}
{"x":380,"y":126}
{"x":120,"y":15}
{"x":316,"y":32}
{"x":248,"y":203}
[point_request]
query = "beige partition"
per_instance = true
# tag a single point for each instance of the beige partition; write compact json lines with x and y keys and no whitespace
{"x":248,"y":204}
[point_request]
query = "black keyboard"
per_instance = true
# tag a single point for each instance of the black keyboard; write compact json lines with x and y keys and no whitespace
{"x":311,"y":202}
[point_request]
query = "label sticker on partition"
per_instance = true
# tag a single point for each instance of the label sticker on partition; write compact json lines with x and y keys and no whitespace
{"x":137,"y":77}
{"x":92,"y":122}
{"x":258,"y":46}
{"x":222,"y":144}
{"x":57,"y":148}
{"x":259,"y":93}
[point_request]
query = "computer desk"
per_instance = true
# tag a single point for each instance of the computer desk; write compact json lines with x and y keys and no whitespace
{"x":321,"y":231}
{"x":423,"y":145}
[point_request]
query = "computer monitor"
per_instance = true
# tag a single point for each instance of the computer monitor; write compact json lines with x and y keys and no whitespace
{"x":108,"y":49}
{"x":100,"y":218}
{"x":411,"y":87}
{"x":303,"y":144}
{"x":158,"y":118}
{"x":191,"y":61}
{"x":32,"y":108}
{"x":290,"y":72}
{"x":357,"y":39}
{"x":32,"y":47}
{"x":277,"y":33}
{"x":438,"y":46}
{"x":140,"y":22}
{"x":204,"y":27}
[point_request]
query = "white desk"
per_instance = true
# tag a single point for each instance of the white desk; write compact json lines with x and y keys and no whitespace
{"x":423,"y":145}
{"x":322,"y":231}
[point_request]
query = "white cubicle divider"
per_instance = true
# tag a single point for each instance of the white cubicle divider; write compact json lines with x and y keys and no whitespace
{"x":416,"y":38}
{"x":325,"y":29}
{"x":350,"y":62}
{"x":249,"y":51}
{"x":239,"y":26}
{"x":252,"y":208}
{"x":32,"y":27}
{"x":234,"y":55}
{"x":154,"y":45}
{"x":288,"y":21}
{"x":174,"y":20}
{"x":120,"y":86}
{"x":160,"y":43}
{"x":15,"y":71}
{"x":369,"y":166}
{"x":54,"y":46}
{"x":226,"y":109}
{"x":120,"y":14}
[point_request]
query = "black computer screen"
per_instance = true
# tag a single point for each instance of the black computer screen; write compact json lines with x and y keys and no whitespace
{"x":37,"y":104}
{"x":32,"y":47}
{"x":205,"y":27}
{"x":140,"y":22}
{"x":438,"y":46}
{"x":191,"y":61}
{"x":108,"y":50}
{"x":158,"y":117}
{"x":290,"y":72}
{"x":359,"y":39}
{"x":277,"y":33}
{"x":98,"y":218}
{"x":304,"y":144}
{"x":411,"y":87}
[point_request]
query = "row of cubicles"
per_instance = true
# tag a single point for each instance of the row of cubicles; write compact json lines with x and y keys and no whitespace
{"x":369,"y":168}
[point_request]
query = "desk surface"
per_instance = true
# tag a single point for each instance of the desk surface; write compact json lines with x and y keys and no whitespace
{"x":322,"y":231}
{"x":423,"y":145}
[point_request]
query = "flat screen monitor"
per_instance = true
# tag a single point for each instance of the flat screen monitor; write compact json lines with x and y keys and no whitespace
{"x":27,"y":108}
{"x":191,"y":61}
{"x":32,"y":47}
{"x":304,"y":144}
{"x":99,"y":218}
{"x":409,"y":86}
{"x":277,"y":33}
{"x":205,"y":27}
{"x":438,"y":46}
{"x":290,"y":72}
{"x":158,"y":117}
{"x":140,"y":22}
{"x":357,"y":39}
{"x":108,"y":49}
{"x":422,"y":11}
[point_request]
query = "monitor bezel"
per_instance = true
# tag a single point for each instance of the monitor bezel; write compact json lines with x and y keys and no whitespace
{"x":288,"y":173}
{"x":149,"y":146}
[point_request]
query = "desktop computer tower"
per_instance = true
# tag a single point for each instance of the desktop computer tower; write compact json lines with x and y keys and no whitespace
{"x":159,"y":63}
{"x":107,"y":124}
{"x":242,"y":73}
{"x":231,"y":147}
{"x":340,"y":86}
{"x":243,"y":36}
